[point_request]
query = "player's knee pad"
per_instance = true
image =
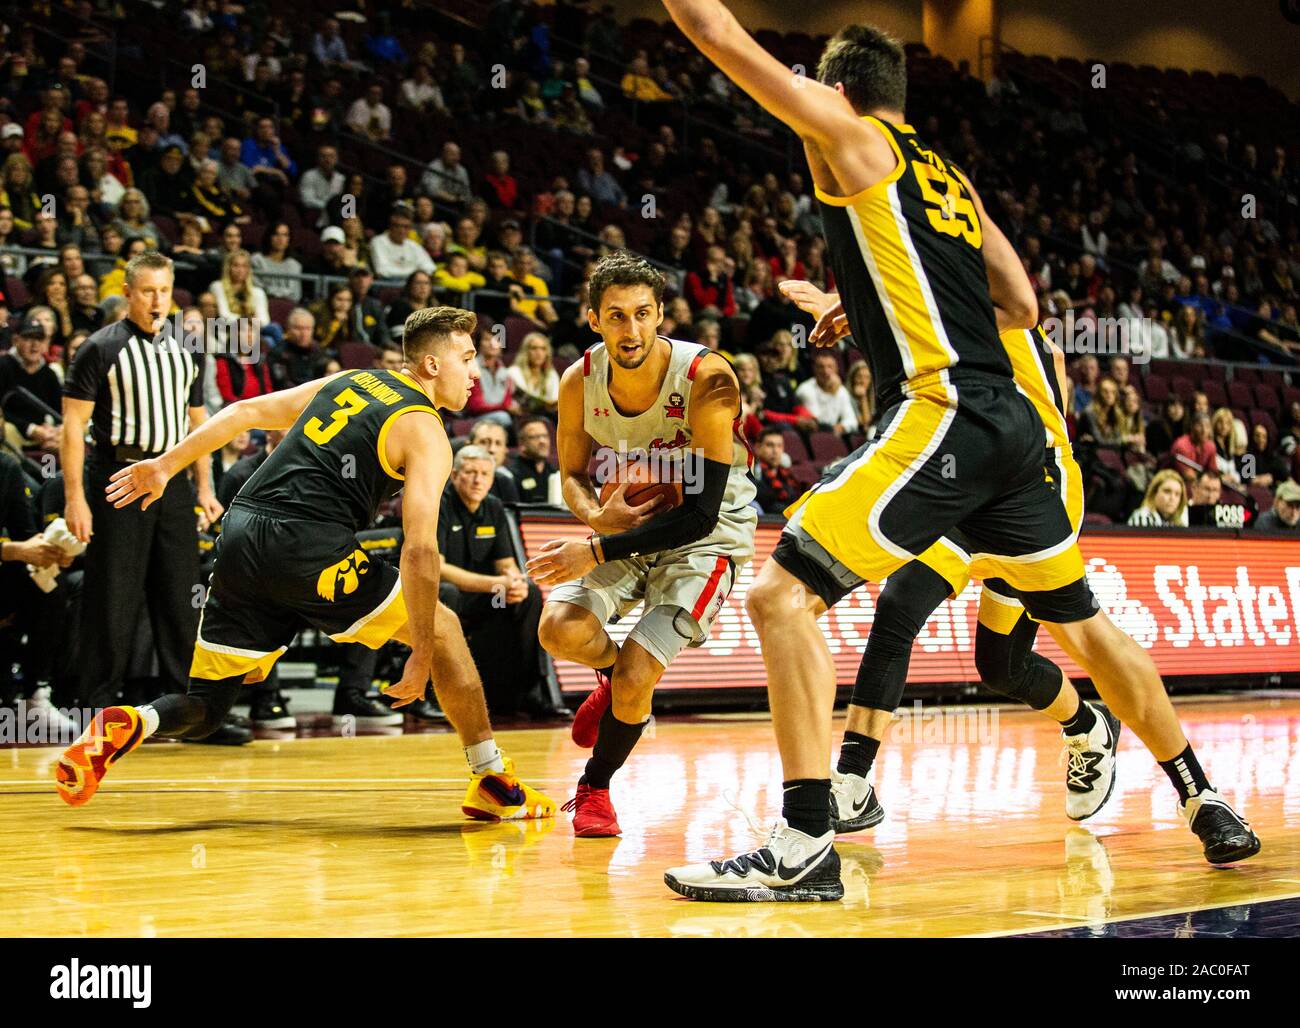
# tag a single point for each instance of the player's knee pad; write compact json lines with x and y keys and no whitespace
{"x":1007,"y":664}
{"x":664,"y":631}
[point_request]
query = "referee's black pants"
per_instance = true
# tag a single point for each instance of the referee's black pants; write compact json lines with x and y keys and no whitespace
{"x":137,"y":562}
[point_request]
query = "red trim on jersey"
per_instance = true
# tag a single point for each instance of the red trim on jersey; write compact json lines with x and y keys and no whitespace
{"x":738,"y":427}
{"x":586,"y":363}
{"x":710,"y":587}
{"x":690,"y":372}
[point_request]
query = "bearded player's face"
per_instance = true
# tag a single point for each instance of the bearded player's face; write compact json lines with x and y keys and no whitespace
{"x":628,"y":321}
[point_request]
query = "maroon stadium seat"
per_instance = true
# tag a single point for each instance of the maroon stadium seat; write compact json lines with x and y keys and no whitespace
{"x":794,"y":445}
{"x":1263,"y":497}
{"x":1266,"y":398}
{"x":1290,"y":394}
{"x":1263,"y":417}
{"x":1157,"y":388}
{"x":16,"y":293}
{"x":827,"y":447}
{"x":1183,"y":386}
{"x":1093,"y":518}
{"x":357,"y":355}
{"x":182,"y":298}
{"x":1240,"y":395}
{"x":1215,"y":392}
{"x":1110,"y":458}
{"x":279,"y":309}
{"x":1247,"y":375}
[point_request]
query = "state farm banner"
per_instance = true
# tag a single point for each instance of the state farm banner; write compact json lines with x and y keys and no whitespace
{"x":1201,"y":603}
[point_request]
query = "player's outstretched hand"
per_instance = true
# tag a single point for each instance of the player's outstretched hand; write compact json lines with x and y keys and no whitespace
{"x":806,"y":296}
{"x":145,"y":478}
{"x":559,"y":561}
{"x":831,"y":327}
{"x":415,"y":679}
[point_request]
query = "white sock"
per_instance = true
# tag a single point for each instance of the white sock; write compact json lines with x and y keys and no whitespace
{"x":484,"y":756}
{"x":149,"y":718}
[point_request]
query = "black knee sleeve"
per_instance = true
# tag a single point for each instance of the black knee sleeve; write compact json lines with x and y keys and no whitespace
{"x":1007,"y":664}
{"x":198,"y":713}
{"x":911,"y":594}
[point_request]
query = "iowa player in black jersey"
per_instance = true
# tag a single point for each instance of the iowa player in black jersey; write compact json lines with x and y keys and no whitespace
{"x":288,"y":556}
{"x":927,"y":283}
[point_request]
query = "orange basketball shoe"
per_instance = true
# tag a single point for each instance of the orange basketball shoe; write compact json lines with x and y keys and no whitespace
{"x":586,"y":723}
{"x":114,"y":732}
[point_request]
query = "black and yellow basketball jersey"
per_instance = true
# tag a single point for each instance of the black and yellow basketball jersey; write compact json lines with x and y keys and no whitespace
{"x":331,"y":466}
{"x":908,"y":260}
{"x":1039,"y":368}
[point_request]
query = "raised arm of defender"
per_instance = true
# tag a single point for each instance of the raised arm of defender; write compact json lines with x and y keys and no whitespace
{"x":846,"y":154}
{"x":145,"y":480}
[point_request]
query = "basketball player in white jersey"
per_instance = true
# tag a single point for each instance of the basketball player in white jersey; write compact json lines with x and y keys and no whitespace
{"x":675,"y":405}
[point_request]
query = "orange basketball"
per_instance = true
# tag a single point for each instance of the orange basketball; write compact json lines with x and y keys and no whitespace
{"x":644,"y":486}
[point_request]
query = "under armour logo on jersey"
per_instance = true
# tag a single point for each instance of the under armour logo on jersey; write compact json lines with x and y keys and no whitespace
{"x":600,"y":412}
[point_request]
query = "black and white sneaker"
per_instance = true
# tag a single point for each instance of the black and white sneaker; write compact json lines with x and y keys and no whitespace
{"x":363,"y":710}
{"x":1090,"y":765}
{"x":790,"y":867}
{"x":854,"y":806}
{"x":1224,"y":833}
{"x":269,"y":709}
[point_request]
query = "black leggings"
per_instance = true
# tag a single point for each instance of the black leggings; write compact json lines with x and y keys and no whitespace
{"x":199,"y":712}
{"x":1007,"y":664}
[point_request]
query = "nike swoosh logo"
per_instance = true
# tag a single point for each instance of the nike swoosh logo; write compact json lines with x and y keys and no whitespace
{"x":858,"y":808}
{"x":787,"y":874}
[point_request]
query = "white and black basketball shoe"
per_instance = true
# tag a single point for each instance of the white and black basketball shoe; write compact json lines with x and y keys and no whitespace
{"x":1225,"y":834}
{"x":790,"y":867}
{"x":1090,"y":765}
{"x":854,"y":805}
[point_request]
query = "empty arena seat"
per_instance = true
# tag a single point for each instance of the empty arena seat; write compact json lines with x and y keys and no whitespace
{"x":357,"y":355}
{"x":1183,"y":386}
{"x":1263,"y":497}
{"x":279,"y":309}
{"x":1266,"y":398}
{"x":1247,"y":375}
{"x":1157,"y":388}
{"x":1240,"y":395}
{"x":826,"y":447}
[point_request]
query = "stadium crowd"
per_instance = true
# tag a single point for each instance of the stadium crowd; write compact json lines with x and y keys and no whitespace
{"x":332,"y":174}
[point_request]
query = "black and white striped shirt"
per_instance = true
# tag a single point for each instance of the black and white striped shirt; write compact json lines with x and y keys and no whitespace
{"x":142,"y":389}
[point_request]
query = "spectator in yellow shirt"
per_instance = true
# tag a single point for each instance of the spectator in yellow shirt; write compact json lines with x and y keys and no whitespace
{"x":536,"y":307}
{"x":638,"y":85}
{"x":456,"y":276}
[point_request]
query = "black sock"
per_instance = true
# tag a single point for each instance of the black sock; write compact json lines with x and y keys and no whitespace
{"x":608,"y":672}
{"x":614,"y":742}
{"x":1186,"y":774}
{"x":857,"y":754}
{"x":1084,"y":718}
{"x":806,"y":805}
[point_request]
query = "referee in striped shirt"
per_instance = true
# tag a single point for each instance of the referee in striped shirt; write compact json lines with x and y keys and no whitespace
{"x":140,"y":390}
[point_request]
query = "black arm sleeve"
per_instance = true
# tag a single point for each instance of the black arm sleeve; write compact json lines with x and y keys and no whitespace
{"x":693,"y":520}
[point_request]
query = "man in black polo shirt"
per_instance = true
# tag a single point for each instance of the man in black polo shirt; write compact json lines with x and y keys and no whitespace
{"x":531,"y":466}
{"x":140,"y":391}
{"x":26,"y":367}
{"x":499,"y":608}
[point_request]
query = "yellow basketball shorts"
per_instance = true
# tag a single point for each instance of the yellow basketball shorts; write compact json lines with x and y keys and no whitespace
{"x":955,"y":473}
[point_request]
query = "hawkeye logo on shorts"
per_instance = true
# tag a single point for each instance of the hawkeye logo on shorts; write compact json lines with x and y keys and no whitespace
{"x":346,"y":574}
{"x":675,"y":407}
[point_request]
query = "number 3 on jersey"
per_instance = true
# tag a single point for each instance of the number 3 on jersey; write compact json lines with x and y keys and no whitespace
{"x":953,"y":213}
{"x":321,"y":433}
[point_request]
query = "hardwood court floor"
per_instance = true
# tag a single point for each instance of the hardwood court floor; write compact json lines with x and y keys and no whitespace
{"x":363,"y":836}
